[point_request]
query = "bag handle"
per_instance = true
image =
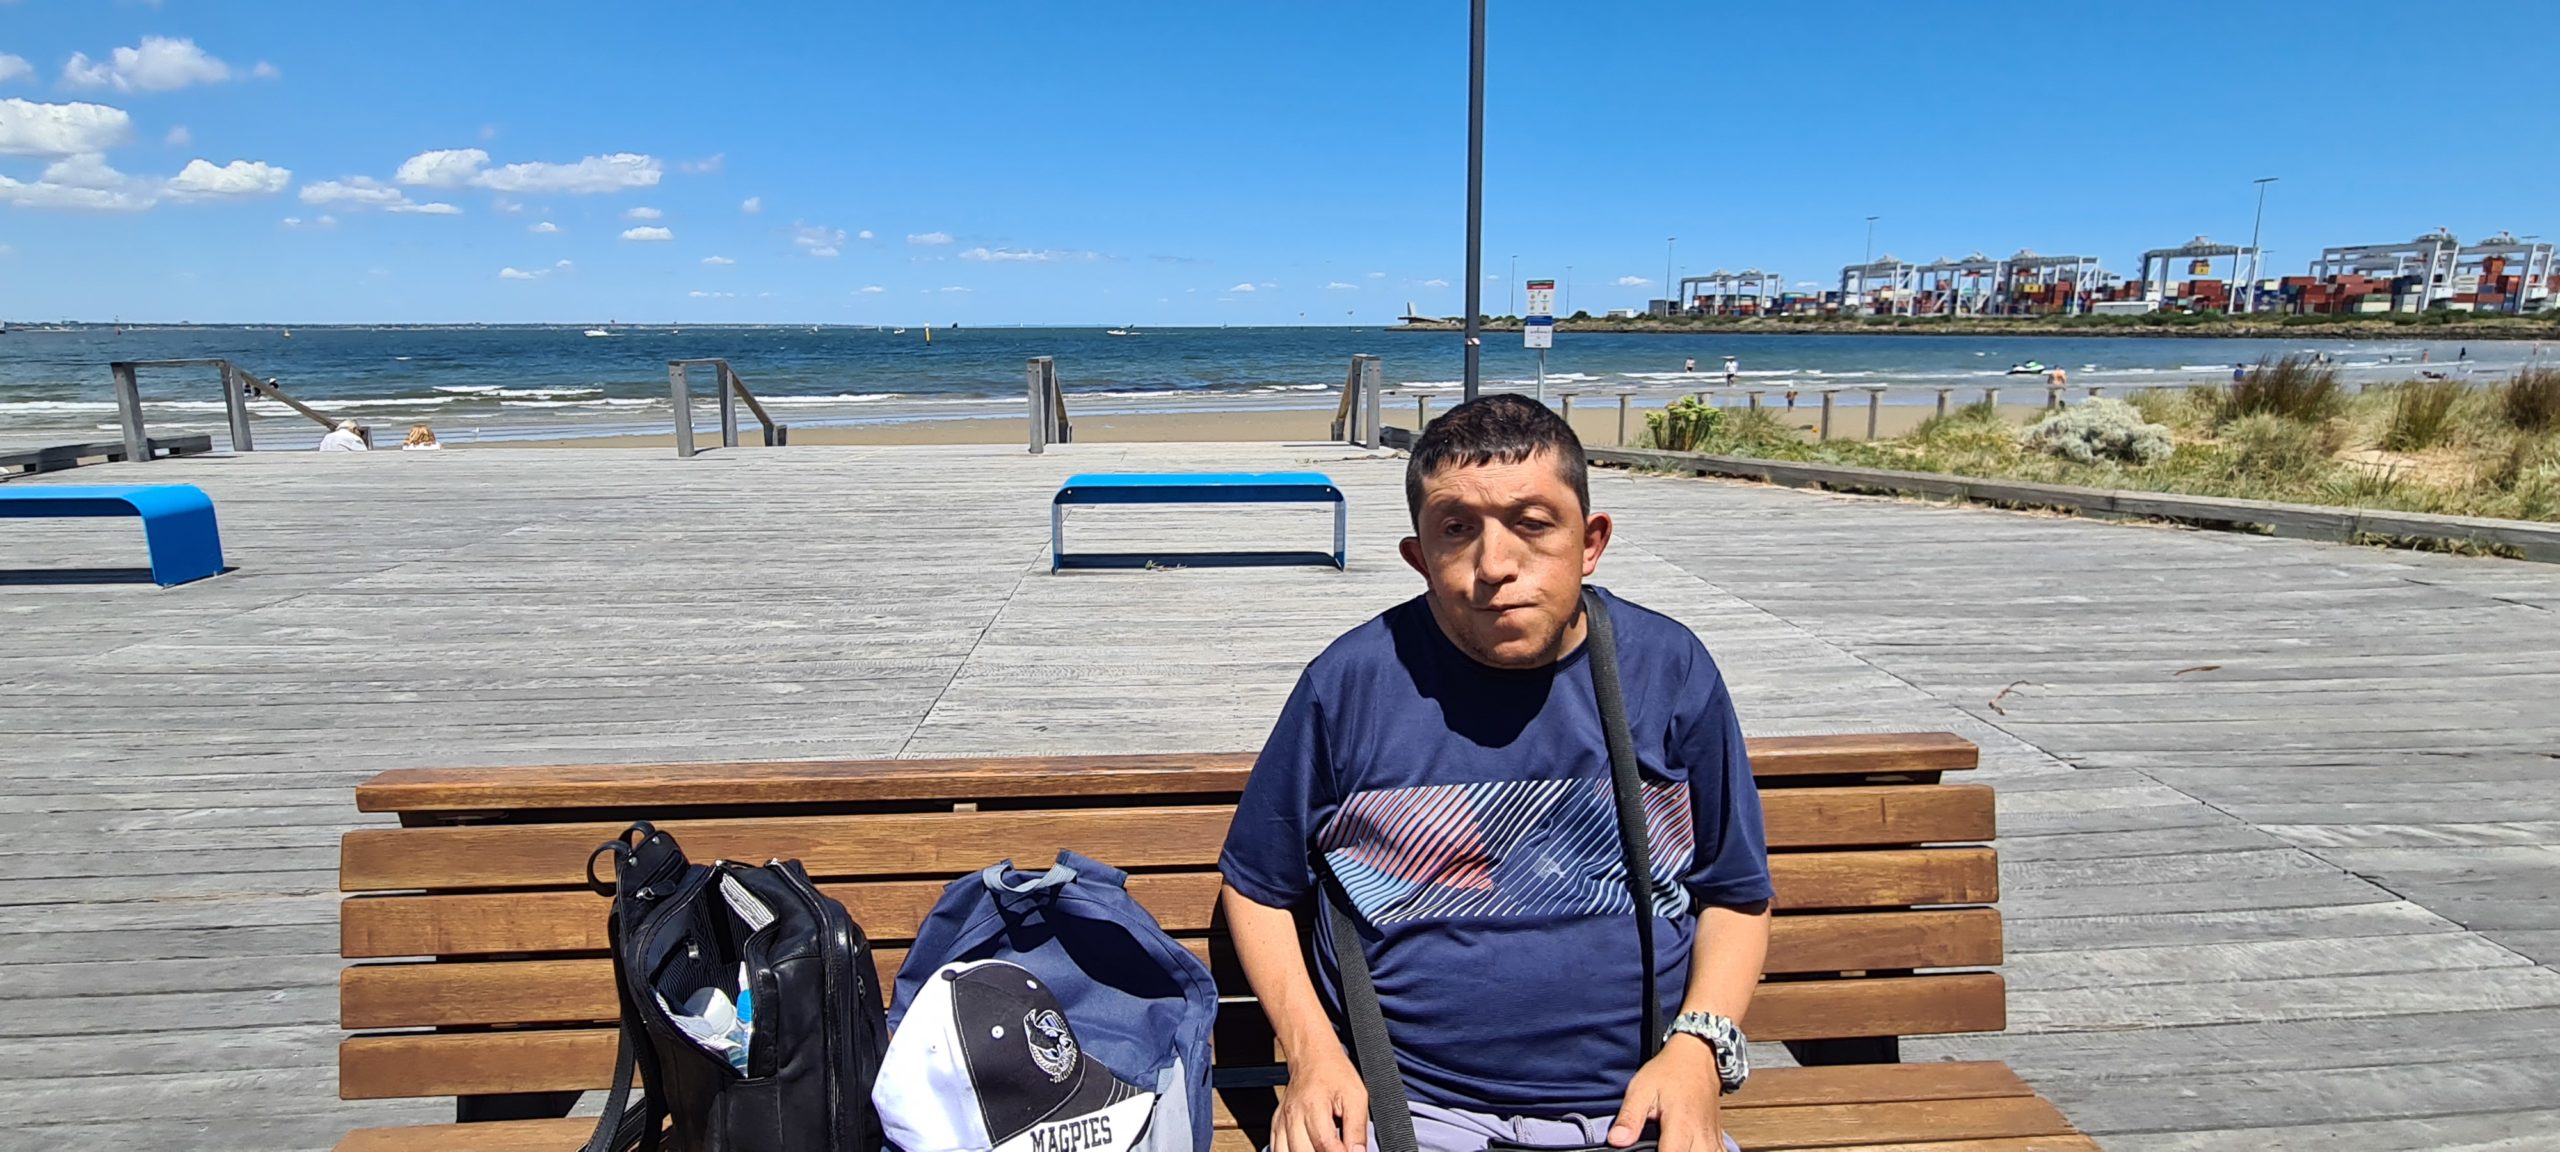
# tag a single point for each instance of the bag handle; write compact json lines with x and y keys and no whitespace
{"x":1059,"y":875}
{"x":1390,"y":1112}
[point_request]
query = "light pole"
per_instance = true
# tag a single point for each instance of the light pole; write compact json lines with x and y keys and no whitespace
{"x":1568,"y":289}
{"x":1669,"y":305}
{"x":1864,"y":262}
{"x":1475,"y":193}
{"x":1513,"y":308}
{"x":2249,"y":292}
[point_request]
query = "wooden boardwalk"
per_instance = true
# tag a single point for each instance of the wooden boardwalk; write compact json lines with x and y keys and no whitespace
{"x":2280,"y":821}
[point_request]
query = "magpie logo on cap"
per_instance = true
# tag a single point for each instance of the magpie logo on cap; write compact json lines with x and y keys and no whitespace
{"x":986,"y":1061}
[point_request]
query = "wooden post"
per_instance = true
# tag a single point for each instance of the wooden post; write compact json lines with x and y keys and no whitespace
{"x":1875,"y":408}
{"x":1942,"y":400}
{"x":1991,"y":396}
{"x":235,"y":404}
{"x":137,"y":445}
{"x":1755,"y":399}
{"x":1421,"y":412}
{"x":683,"y":402}
{"x":1372,"y":382}
{"x":1624,"y":398}
{"x":1566,"y":399}
{"x":1039,"y":411}
{"x":728,"y":405}
{"x":1827,"y":394}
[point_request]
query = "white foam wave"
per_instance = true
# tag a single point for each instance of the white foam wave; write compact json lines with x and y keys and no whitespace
{"x":30,"y":406}
{"x":843,"y":398}
{"x":546,"y":393}
{"x":467,"y":389}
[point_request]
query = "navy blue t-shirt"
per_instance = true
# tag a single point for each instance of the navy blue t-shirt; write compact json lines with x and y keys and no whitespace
{"x":1468,"y":812}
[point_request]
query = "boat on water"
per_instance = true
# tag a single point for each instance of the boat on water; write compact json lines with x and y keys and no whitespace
{"x":598,"y":332}
{"x":2030,"y":368}
{"x":898,"y":332}
{"x":1131,"y":330}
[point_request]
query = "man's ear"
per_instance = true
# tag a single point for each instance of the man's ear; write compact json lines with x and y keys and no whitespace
{"x":1411,"y":549}
{"x":1595,"y":540}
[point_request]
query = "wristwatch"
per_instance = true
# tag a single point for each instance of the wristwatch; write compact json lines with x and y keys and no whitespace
{"x":1723,"y":1037}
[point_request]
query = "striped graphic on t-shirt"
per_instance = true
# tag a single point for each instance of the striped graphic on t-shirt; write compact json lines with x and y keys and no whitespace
{"x":1502,"y":849}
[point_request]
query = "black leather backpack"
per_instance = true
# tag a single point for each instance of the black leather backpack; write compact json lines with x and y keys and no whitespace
{"x":818,"y":1025}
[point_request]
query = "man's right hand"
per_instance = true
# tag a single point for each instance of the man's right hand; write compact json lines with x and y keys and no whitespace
{"x":1324,"y":1107}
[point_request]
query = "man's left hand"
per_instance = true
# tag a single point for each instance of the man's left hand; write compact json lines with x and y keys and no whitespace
{"x":1679,"y":1089}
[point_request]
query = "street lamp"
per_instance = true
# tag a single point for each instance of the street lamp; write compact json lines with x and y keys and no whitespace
{"x":1513,"y":308}
{"x":1668,"y":244}
{"x":1475,"y":192}
{"x":1865,"y":262}
{"x":1568,"y":289}
{"x":2248,"y":299}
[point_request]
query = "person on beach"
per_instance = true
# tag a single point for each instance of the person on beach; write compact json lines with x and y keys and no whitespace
{"x":1440,"y":769}
{"x":1732,"y":369}
{"x":344,"y":438}
{"x":1689,"y":365}
{"x":421,"y":439}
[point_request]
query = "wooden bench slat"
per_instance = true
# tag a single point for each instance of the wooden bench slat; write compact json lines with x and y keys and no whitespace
{"x":563,"y":1059}
{"x":1775,"y":1087}
{"x":572,"y":991}
{"x":381,"y":927}
{"x":952,"y":843}
{"x":661,"y":786}
{"x":1915,"y":1121}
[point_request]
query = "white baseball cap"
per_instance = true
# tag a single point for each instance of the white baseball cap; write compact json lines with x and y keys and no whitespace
{"x":985,"y":1061}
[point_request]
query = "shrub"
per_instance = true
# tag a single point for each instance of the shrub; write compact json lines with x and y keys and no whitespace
{"x":2100,"y":430}
{"x":2531,"y":401}
{"x":1756,"y":432}
{"x":2421,"y":414}
{"x":2266,"y":446}
{"x":1684,"y":426}
{"x":2294,"y":387}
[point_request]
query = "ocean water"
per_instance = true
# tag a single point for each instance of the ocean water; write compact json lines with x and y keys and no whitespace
{"x":526,"y":382}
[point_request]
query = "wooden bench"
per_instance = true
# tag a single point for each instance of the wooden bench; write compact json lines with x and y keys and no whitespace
{"x":56,"y":457}
{"x":177,"y":520}
{"x":1195,"y":488}
{"x":478,"y":955}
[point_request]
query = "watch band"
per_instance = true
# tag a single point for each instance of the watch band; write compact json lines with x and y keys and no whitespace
{"x":1724,"y":1038}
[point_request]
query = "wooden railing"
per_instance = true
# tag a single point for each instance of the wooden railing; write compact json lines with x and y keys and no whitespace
{"x":733,"y":391}
{"x":1355,"y":420}
{"x":1048,"y":411}
{"x":238,"y":384}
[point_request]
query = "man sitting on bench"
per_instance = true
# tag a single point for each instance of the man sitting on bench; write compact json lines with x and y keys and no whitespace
{"x":1452,"y":751}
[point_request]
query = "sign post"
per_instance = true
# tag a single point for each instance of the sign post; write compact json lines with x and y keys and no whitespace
{"x":1538,"y":327}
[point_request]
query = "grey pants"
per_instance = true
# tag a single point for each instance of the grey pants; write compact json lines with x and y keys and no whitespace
{"x":1437,"y":1129}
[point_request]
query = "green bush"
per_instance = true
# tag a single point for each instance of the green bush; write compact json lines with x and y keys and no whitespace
{"x":2269,"y":447}
{"x":2421,"y":414}
{"x":1684,"y":426}
{"x":2293,"y":387}
{"x":2531,"y":401}
{"x":2108,"y":430}
{"x":1759,"y":433}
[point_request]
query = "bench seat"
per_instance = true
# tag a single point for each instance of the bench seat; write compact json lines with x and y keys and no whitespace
{"x":1089,"y":488}
{"x":177,"y":520}
{"x":479,"y":966}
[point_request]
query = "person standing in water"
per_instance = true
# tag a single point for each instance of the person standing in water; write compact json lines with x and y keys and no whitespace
{"x":1732,"y":369}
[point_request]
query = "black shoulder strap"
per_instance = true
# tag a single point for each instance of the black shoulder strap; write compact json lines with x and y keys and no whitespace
{"x":1390,"y":1113}
{"x":637,"y":1126}
{"x":1628,"y":787}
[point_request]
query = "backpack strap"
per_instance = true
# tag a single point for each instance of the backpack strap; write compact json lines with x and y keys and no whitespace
{"x":1390,"y":1113}
{"x":623,"y":1126}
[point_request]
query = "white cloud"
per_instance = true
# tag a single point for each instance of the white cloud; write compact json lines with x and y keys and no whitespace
{"x":1244,"y":287}
{"x":178,"y":137}
{"x":432,"y":208}
{"x":502,"y":204}
{"x":751,"y":205}
{"x":642,"y":214}
{"x":717,"y":261}
{"x":265,"y":71}
{"x":355,"y":191}
{"x":322,"y":221}
{"x":817,"y":239}
{"x":648,"y":234}
{"x":611,"y":173}
{"x":31,"y":129}
{"x":1029,"y":255}
{"x":928,"y":239}
{"x":1338,"y":286}
{"x":563,"y":265}
{"x":488,"y":131}
{"x":873,"y":289}
{"x":955,"y":288}
{"x":441,"y":168}
{"x":516,"y":274}
{"x":1435,"y":282}
{"x":543,"y":227}
{"x":703,"y":167}
{"x":1631,"y":281}
{"x":200,"y":180}
{"x":865,"y":234}
{"x":158,"y":64}
{"x":81,"y":182}
{"x":1377,"y":275}
{"x":14,"y":67}
{"x":699,"y":294}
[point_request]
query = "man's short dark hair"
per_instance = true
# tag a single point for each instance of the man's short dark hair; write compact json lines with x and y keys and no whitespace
{"x":1499,"y":429}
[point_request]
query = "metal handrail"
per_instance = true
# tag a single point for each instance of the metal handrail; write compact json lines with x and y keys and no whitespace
{"x":1048,"y":412}
{"x":1355,"y":419}
{"x":732,"y":389}
{"x":237,"y":385}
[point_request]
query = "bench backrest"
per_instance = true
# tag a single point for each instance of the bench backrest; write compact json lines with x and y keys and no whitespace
{"x":481,"y":954}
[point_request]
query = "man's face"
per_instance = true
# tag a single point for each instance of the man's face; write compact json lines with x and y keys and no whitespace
{"x":1505,"y":548}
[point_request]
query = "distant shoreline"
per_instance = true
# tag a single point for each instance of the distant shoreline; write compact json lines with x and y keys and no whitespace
{"x":2539,"y":327}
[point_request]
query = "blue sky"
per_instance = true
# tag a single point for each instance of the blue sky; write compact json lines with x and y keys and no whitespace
{"x":1245,"y":163}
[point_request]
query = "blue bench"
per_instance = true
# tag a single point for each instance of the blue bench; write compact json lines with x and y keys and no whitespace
{"x":1194,"y":488}
{"x":177,"y":520}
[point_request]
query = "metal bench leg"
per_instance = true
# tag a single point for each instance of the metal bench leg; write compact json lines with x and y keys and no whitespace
{"x":185,"y":545}
{"x":1057,"y":536}
{"x":1341,"y":535}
